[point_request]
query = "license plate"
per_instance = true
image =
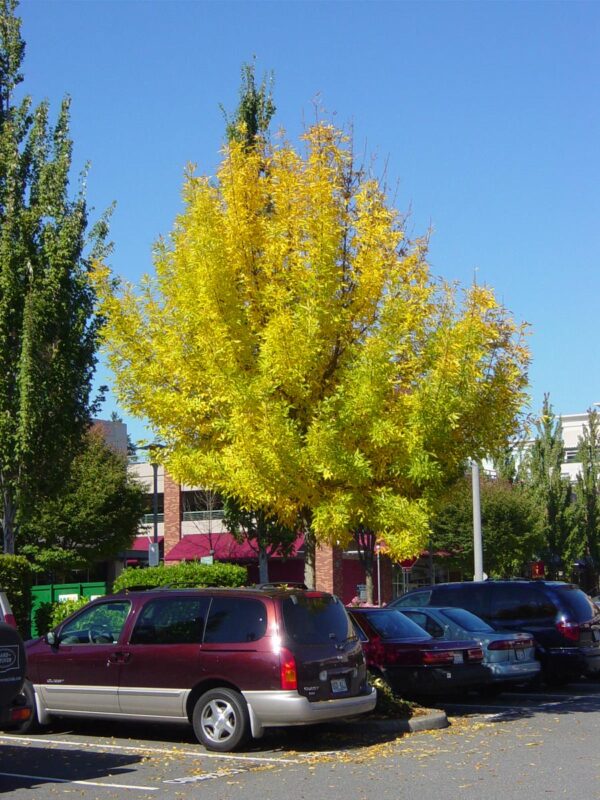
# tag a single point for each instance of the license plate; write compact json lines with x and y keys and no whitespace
{"x":338,"y":685}
{"x":519,"y":654}
{"x":458,"y":658}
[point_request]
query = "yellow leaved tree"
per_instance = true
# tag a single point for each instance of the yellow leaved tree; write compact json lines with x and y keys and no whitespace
{"x":293,"y":350}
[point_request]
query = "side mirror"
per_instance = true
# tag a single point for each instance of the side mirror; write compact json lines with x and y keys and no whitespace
{"x":51,"y":638}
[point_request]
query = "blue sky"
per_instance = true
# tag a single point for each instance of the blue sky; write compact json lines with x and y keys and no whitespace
{"x":486,"y":116}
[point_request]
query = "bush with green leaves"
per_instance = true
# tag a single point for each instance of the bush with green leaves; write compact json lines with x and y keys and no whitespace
{"x":15,"y":580}
{"x":63,"y":609}
{"x":188,"y":574}
{"x":389,"y":704}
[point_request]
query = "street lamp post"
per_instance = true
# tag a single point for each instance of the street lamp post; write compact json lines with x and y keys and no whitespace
{"x":477,"y":541}
{"x":153,"y":555}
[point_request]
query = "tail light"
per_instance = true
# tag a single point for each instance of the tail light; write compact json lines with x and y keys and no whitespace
{"x":287,"y":670}
{"x":9,"y":619}
{"x":436,"y":657}
{"x":570,"y":630}
{"x":510,"y":644}
{"x":20,"y":713}
{"x":475,"y":654}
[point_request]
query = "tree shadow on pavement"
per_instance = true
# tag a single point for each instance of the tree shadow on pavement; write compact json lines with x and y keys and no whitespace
{"x":27,"y":767}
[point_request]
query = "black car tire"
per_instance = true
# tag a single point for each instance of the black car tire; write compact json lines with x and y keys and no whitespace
{"x":221,"y":720}
{"x":32,"y":725}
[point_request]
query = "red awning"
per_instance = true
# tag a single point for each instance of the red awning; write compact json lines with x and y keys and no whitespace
{"x":223,"y":547}
{"x":142,"y":543}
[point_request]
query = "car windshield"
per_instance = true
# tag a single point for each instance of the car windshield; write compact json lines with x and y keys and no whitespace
{"x":464,"y":619}
{"x":392,"y":624}
{"x":316,"y":619}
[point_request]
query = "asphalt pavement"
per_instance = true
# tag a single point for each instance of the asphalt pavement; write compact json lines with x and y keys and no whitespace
{"x":526,"y":745}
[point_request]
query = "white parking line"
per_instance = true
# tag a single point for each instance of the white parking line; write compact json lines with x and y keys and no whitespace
{"x":46,"y":779}
{"x":158,"y":750}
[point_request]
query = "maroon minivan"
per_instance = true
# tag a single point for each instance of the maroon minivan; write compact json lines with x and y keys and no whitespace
{"x":231,"y":662}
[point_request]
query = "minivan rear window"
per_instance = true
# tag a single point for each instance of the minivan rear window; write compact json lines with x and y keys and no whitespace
{"x":316,"y":620}
{"x":575,"y":602}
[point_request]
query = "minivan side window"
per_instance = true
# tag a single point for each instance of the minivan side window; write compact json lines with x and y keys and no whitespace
{"x":521,"y":601}
{"x":235,"y":619}
{"x":475,"y":597}
{"x":171,"y":620}
{"x":99,"y":624}
{"x":413,"y":599}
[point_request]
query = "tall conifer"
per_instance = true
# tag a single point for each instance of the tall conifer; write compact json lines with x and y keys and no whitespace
{"x":48,"y":332}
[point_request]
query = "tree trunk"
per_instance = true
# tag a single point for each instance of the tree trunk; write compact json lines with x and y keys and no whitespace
{"x":310,"y":552}
{"x":263,"y":564}
{"x":369,"y":582}
{"x":263,"y":558}
{"x":8,"y":523}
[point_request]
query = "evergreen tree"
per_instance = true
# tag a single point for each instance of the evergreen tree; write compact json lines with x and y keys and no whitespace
{"x":543,"y":473}
{"x":94,"y":515}
{"x":585,"y":538}
{"x":48,"y":334}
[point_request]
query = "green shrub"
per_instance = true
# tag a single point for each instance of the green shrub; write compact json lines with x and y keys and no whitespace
{"x":188,"y":574}
{"x":15,"y":580}
{"x":389,"y":704}
{"x":64,"y":609}
{"x":42,"y":617}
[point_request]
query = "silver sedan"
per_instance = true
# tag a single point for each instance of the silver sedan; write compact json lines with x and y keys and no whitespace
{"x":509,"y":656}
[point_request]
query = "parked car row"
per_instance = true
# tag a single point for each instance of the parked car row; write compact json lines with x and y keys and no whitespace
{"x":562,"y":620}
{"x":232,"y":662}
{"x":428,"y":651}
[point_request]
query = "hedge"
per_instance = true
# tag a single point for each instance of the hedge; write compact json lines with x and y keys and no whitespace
{"x":188,"y":574}
{"x":15,"y":580}
{"x":49,"y":615}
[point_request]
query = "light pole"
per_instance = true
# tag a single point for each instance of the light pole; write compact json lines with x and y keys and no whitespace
{"x":477,"y":541}
{"x":153,"y":554}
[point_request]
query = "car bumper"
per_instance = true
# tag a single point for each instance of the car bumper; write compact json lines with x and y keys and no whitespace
{"x":283,"y":708}
{"x":436,"y":680}
{"x":514,"y":672}
{"x":572,"y":661}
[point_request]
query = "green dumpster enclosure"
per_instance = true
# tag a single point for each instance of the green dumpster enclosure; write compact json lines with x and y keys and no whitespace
{"x":60,"y":592}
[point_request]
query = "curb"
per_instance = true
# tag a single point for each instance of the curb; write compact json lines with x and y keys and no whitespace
{"x":434,"y":719}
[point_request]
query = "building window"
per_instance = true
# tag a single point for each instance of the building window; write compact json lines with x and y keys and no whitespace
{"x":201,"y":504}
{"x":571,"y":455}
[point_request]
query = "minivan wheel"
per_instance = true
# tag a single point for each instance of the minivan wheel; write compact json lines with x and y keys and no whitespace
{"x":220,"y":719}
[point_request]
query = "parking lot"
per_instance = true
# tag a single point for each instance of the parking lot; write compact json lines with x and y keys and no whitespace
{"x":105,"y":760}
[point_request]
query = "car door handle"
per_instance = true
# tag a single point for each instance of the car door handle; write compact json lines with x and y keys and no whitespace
{"x":118,"y":658}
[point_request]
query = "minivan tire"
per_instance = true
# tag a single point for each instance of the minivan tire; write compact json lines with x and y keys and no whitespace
{"x":221,"y":720}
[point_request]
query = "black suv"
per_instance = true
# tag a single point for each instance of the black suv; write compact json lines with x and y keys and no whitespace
{"x":562,"y":619}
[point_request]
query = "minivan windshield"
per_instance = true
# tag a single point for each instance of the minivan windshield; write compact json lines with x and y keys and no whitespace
{"x":316,"y":619}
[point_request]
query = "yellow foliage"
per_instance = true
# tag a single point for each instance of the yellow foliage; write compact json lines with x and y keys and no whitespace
{"x":293,"y":349}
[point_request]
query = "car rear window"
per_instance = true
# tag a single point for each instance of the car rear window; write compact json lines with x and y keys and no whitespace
{"x":316,"y":619}
{"x":575,"y":602}
{"x":393,"y":624}
{"x":466,"y":620}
